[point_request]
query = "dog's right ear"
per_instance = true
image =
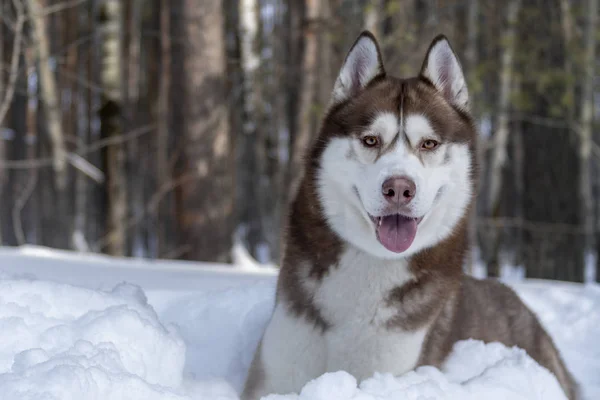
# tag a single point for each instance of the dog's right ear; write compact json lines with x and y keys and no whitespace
{"x":362,"y":64}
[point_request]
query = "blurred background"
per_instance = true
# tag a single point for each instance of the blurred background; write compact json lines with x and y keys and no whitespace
{"x":176,"y":128}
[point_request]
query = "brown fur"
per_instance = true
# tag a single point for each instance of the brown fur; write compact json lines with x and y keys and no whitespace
{"x":453,"y":305}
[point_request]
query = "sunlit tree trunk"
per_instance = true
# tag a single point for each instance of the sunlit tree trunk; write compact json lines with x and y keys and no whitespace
{"x":49,"y":94}
{"x":112,"y":125}
{"x":206,"y":200}
{"x":306,"y":120}
{"x":500,"y":139}
{"x":501,"y":136}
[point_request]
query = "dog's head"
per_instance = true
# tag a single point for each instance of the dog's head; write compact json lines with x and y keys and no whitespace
{"x":395,"y":156}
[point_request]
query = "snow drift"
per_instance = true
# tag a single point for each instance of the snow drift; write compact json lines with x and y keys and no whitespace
{"x":91,"y":341}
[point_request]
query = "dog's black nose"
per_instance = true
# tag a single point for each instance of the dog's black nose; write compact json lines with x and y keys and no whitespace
{"x":398,"y":190}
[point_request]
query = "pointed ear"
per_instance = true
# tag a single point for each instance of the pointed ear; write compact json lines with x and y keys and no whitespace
{"x":362,"y":64}
{"x":442,"y":68}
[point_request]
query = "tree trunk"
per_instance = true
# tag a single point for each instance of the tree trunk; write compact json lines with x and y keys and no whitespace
{"x":586,"y":129}
{"x":206,"y":200}
{"x":249,"y":142}
{"x":24,"y":208}
{"x":373,"y":19}
{"x":294,"y":18}
{"x":500,"y":140}
{"x":471,"y":67}
{"x":567,"y":27}
{"x":471,"y":53}
{"x":112,"y":126}
{"x":306,"y":122}
{"x":3,"y":158}
{"x":136,"y":156}
{"x":49,"y":93}
{"x":165,"y":240}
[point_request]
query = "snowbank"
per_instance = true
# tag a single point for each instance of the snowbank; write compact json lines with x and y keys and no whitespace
{"x":474,"y":371}
{"x":64,"y":342}
{"x":190,"y":333}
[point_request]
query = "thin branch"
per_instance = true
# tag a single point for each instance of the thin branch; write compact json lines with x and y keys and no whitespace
{"x":151,"y":208}
{"x":46,"y":11}
{"x":98,"y":145}
{"x":86,"y":167}
{"x":14,"y":67}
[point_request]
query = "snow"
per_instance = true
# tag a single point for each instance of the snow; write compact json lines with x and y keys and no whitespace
{"x":76,"y":326}
{"x":474,"y":371}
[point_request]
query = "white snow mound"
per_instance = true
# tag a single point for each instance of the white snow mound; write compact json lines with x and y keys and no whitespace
{"x":62,"y":342}
{"x":474,"y":371}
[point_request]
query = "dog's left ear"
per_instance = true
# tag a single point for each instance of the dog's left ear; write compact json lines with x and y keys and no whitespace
{"x":362,"y":64}
{"x":442,"y":68}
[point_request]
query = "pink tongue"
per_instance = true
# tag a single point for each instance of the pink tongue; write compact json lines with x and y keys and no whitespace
{"x":396,"y":232}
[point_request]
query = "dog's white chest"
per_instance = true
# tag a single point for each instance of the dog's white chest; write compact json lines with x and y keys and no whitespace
{"x":353,"y":298}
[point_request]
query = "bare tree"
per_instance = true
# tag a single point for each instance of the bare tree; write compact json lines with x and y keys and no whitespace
{"x":112,"y":124}
{"x":163,"y":169}
{"x":49,"y":92}
{"x":250,"y":141}
{"x":206,"y":203}
{"x":568,"y":34}
{"x":586,"y":127}
{"x":306,"y":122}
{"x":500,"y":139}
{"x":471,"y":58}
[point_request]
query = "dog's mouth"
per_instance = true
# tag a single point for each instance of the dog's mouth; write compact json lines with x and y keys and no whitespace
{"x":396,"y":232}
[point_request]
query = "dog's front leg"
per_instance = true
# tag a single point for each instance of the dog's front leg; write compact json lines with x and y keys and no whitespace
{"x":291,"y":353}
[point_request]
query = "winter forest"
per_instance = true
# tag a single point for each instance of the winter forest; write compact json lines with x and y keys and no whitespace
{"x":176,"y":129}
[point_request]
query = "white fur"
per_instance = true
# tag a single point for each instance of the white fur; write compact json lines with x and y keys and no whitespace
{"x":443,"y":189}
{"x":352,"y":298}
{"x":293,"y":352}
{"x":443,"y":69}
{"x":362,"y":64}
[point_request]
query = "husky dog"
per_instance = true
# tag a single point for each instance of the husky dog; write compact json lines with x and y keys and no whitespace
{"x":372,"y":279}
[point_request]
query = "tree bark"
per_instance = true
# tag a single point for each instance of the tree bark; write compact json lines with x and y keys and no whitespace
{"x":306,"y":122}
{"x":294,"y":18}
{"x":3,"y":172}
{"x":567,"y":27}
{"x":586,"y":129}
{"x":249,"y":142}
{"x":373,"y":19}
{"x":49,"y":93}
{"x":112,"y":125}
{"x":471,"y":59}
{"x":206,"y":202}
{"x":500,"y":140}
{"x":165,"y":235}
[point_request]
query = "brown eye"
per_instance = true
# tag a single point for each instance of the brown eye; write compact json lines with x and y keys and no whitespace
{"x":429,"y":144}
{"x":370,"y":141}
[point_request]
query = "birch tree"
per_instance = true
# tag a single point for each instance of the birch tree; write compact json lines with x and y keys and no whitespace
{"x":49,"y":92}
{"x":112,"y":125}
{"x":500,"y":139}
{"x":249,"y":174}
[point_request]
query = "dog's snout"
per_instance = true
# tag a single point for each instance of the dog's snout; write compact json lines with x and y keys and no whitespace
{"x":398,"y":190}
